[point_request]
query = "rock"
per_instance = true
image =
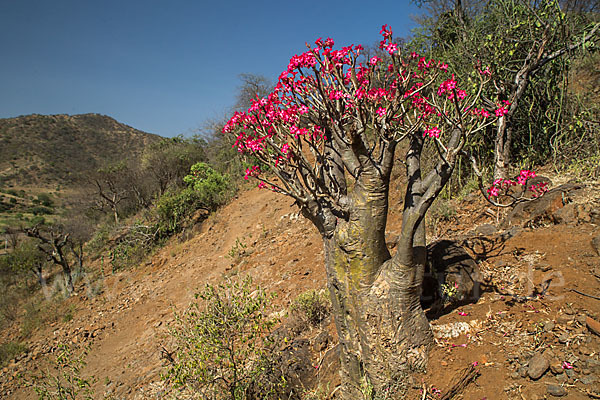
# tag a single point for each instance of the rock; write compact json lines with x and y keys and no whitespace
{"x":570,"y":373}
{"x":556,"y":368}
{"x":563,"y":319}
{"x":565,"y":215}
{"x":549,"y":326}
{"x":596,"y":244}
{"x":449,"y":264}
{"x":564,"y":338}
{"x":561,"y":378}
{"x":486,"y":230}
{"x":538,"y":365}
{"x":593,"y":325}
{"x":588,"y":380}
{"x":523,"y":372}
{"x":556,"y":390}
{"x":298,"y":368}
{"x":543,"y":208}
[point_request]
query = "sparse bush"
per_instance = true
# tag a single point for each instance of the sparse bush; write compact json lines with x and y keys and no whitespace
{"x":313,"y":306}
{"x":133,"y":246}
{"x":67,"y":382}
{"x":223,"y":350}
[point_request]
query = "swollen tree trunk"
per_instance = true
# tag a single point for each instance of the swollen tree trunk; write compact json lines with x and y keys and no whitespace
{"x":381,"y":326}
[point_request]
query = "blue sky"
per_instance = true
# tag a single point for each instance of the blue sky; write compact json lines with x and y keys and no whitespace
{"x":164,"y":66}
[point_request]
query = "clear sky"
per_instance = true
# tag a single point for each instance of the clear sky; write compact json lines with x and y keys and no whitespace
{"x":165,"y":67}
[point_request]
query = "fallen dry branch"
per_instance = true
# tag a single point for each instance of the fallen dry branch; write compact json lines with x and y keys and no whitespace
{"x":461,"y":381}
{"x":585,"y":294}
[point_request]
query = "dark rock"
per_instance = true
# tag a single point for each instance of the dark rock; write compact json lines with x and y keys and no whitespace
{"x":561,"y":378}
{"x":543,"y":208}
{"x":570,"y":373}
{"x":556,"y":390}
{"x":449,"y":264}
{"x":538,"y":365}
{"x":565,"y":215}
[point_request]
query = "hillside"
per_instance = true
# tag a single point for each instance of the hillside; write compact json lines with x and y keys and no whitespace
{"x":534,"y":273}
{"x":51,"y":150}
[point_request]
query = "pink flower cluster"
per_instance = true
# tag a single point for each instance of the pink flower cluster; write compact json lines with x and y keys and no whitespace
{"x":449,"y":87}
{"x":254,"y":171}
{"x":503,"y":185}
{"x":432,"y":132}
{"x":327,"y":86}
{"x":502,"y":109}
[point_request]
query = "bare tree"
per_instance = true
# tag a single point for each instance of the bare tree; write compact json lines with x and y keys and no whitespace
{"x":54,"y":244}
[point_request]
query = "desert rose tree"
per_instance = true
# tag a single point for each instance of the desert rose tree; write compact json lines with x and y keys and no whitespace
{"x":329,"y":134}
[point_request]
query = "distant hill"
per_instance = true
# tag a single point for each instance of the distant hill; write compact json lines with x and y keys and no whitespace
{"x":48,"y":150}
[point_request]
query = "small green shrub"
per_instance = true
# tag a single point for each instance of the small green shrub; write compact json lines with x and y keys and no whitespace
{"x":67,"y":381}
{"x":222,"y":344}
{"x":173,"y":208}
{"x":207,"y":189}
{"x":211,"y":186}
{"x":313,"y":306}
{"x":238,"y":250}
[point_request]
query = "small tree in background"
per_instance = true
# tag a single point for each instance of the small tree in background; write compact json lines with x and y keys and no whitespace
{"x":526,"y":46}
{"x":330,"y":132}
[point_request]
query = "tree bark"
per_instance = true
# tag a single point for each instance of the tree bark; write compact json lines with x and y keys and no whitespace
{"x":381,"y":326}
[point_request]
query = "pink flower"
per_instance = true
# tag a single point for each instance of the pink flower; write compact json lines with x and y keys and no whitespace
{"x":254,"y":171}
{"x":502,"y":109}
{"x":463,"y":314}
{"x":374,"y":60}
{"x":381,"y":111}
{"x":447,"y":86}
{"x":262,"y":185}
{"x":391,"y":48}
{"x":432,"y":132}
{"x":385,"y":31}
{"x":567,"y":365}
{"x":486,"y":72}
{"x":493,"y":191}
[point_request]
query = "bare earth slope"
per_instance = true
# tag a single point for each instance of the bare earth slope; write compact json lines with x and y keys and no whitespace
{"x":260,"y":234}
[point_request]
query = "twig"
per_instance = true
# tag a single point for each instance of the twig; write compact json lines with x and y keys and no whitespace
{"x":585,"y":294}
{"x":463,"y":379}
